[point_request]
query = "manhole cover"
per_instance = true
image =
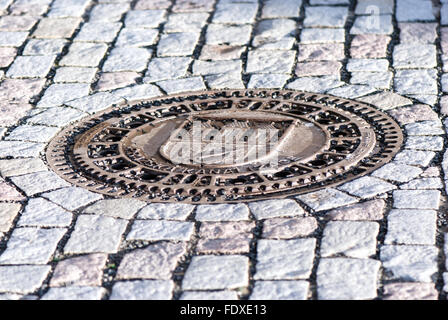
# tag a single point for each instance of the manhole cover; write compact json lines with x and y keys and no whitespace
{"x":225,"y":146}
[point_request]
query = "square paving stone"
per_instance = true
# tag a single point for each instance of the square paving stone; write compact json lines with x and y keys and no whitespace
{"x":177,"y":44}
{"x":355,"y":239}
{"x":222,"y":212}
{"x":221,"y":52}
{"x":84,"y":55}
{"x":193,"y":5}
{"x":138,"y":37}
{"x":20,"y":149}
{"x":44,"y":47}
{"x":114,"y":80}
{"x":31,"y":246}
{"x":127,"y":59}
{"x":209,"y":295}
{"x":397,"y":172}
{"x":40,"y":212}
{"x":186,"y":22}
{"x":94,"y":233}
{"x":156,"y":261}
{"x":64,"y":8}
{"x":416,"y":199}
{"x":117,"y":208}
{"x":373,"y":25}
{"x":288,"y":228}
{"x":367,"y":187}
{"x":415,"y":56}
{"x":142,"y":290}
{"x":286,"y":8}
{"x":414,"y":10}
{"x":321,"y":35}
{"x":326,"y":199}
{"x":284,"y":259}
{"x":410,"y":291}
{"x":226,"y":230}
{"x":96,"y":102}
{"x":383,"y":7}
{"x":160,"y":230}
{"x":167,"y":68}
{"x":8,"y":212}
{"x":39,"y":182}
{"x":235,"y":13}
{"x":56,"y":28}
{"x":325,"y":16}
{"x":410,"y":263}
{"x":213,"y":67}
{"x":275,"y":208}
{"x":75,"y":293}
{"x":263,"y":61}
{"x":30,"y":66}
{"x":414,"y":157}
{"x":230,"y":35}
{"x":17,"y":23}
{"x":216,"y":272}
{"x":416,"y":81}
{"x":74,"y":74}
{"x":413,"y":32}
{"x":380,"y":80}
{"x":223,"y":246}
{"x":411,"y":227}
{"x":86,"y":270}
{"x":168,"y":211}
{"x":58,"y":116}
{"x":280,"y":290}
{"x":366,"y":211}
{"x":424,"y":143}
{"x":98,"y":31}
{"x":144,"y":18}
{"x":321,"y":52}
{"x":60,"y":93}
{"x":424,"y":183}
{"x":316,"y":84}
{"x":109,"y":12}
{"x":72,"y":198}
{"x":12,"y":39}
{"x":347,"y":279}
{"x":33,"y":133}
{"x":22,"y":279}
{"x":369,"y":46}
{"x":268,"y":80}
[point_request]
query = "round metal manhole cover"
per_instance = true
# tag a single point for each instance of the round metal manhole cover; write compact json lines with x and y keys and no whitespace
{"x":225,"y":146}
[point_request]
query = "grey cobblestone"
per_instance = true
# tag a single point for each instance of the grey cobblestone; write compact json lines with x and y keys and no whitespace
{"x":72,"y":198}
{"x":326,"y":199}
{"x":416,"y":199}
{"x":142,"y":290}
{"x":222,"y":212}
{"x":75,"y":293}
{"x":209,"y":295}
{"x":280,"y":290}
{"x":22,"y":279}
{"x":160,"y":230}
{"x":127,"y":59}
{"x":17,"y":167}
{"x":40,"y":212}
{"x":278,"y":208}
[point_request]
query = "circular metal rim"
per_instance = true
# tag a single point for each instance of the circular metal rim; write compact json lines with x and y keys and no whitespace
{"x":56,"y":148}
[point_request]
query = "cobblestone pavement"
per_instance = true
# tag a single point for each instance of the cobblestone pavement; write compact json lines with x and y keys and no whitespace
{"x":378,"y":237}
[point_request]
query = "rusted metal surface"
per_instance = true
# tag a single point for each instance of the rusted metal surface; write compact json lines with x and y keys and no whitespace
{"x":132,"y":150}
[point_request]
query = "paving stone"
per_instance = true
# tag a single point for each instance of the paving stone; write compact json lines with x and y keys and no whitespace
{"x":56,"y":28}
{"x":372,"y":25}
{"x":381,"y":6}
{"x":347,"y":279}
{"x":142,"y":290}
{"x":273,"y":30}
{"x":22,"y":279}
{"x":417,"y":32}
{"x":410,"y":291}
{"x":369,"y":210}
{"x":262,"y":61}
{"x":409,"y":263}
{"x":75,"y":293}
{"x":284,"y":228}
{"x":321,"y":51}
{"x":230,"y":35}
{"x":267,"y":80}
{"x":372,"y":65}
{"x":31,"y":246}
{"x":235,"y":13}
{"x":98,"y":31}
{"x":445,"y":280}
{"x":59,"y":93}
{"x":20,"y":149}
{"x":221,"y":52}
{"x":430,"y":172}
{"x":369,"y":46}
{"x":397,"y":172}
{"x":329,"y":2}
{"x":74,"y":74}
{"x":156,"y":261}
{"x":152,"y":4}
{"x":160,"y":230}
{"x":168,"y":211}
{"x":9,"y":193}
{"x":86,"y":270}
{"x":284,"y":259}
{"x":95,"y":234}
{"x":326,"y":199}
{"x":223,"y":246}
{"x":117,"y":208}
{"x":144,"y":18}
{"x":213,"y":67}
{"x":430,"y":99}
{"x":7,"y":56}
{"x":320,"y":35}
{"x":114,"y":80}
{"x":72,"y":198}
{"x":280,"y":290}
{"x":57,"y":116}
{"x":351,"y":91}
{"x":216,"y":272}
{"x":177,"y":44}
{"x":429,"y":143}
{"x":275,"y":208}
{"x":416,"y":81}
{"x":110,"y":12}
{"x":12,"y":39}
{"x":318,"y":68}
{"x":222,"y":212}
{"x":38,"y":182}
{"x":136,"y":37}
{"x":20,"y":90}
{"x":411,"y":227}
{"x":225,"y":80}
{"x":285,"y":43}
{"x":380,"y":80}
{"x":226,"y":230}
{"x":33,"y":133}
{"x":325,"y":16}
{"x":44,"y":47}
{"x":8,"y":212}
{"x":138,"y":92}
{"x":30,"y":67}
{"x":40,"y":212}
{"x":414,"y":10}
{"x":127,"y":59}
{"x":167,"y":68}
{"x":67,"y":8}
{"x":414,"y":157}
{"x":415,"y":56}
{"x":84,"y":55}
{"x":315,"y":84}
{"x":416,"y":199}
{"x":193,"y":5}
{"x":186,"y":22}
{"x":367,"y":187}
{"x":275,"y":9}
{"x":16,"y":23}
{"x":355,"y":239}
{"x":16,"y":167}
{"x":424,"y":183}
{"x":424,"y":128}
{"x":208,"y":295}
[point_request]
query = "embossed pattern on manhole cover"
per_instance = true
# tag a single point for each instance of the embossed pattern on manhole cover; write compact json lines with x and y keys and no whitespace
{"x":225,"y":146}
